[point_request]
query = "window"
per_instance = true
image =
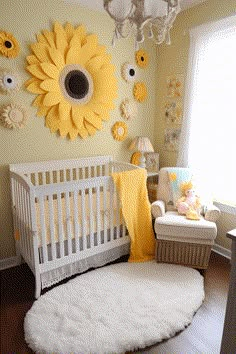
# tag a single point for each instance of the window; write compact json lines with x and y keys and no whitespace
{"x":209,"y":131}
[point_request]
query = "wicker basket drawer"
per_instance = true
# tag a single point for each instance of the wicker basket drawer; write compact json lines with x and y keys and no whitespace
{"x":188,"y":254}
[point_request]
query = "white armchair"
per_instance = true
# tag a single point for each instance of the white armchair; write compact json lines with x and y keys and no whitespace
{"x":179,"y":240}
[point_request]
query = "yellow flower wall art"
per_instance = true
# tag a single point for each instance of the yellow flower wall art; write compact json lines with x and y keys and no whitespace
{"x":9,"y":46}
{"x":140,"y":91}
{"x":74,"y":80}
{"x":142,"y":58}
{"x":119,"y":131}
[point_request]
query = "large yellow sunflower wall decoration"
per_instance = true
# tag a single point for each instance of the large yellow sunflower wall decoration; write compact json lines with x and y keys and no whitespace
{"x":74,"y":79}
{"x":142,"y":58}
{"x":140,"y":91}
{"x":9,"y":46}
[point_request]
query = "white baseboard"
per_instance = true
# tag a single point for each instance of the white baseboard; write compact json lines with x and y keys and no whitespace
{"x":9,"y":262}
{"x":222,"y":251}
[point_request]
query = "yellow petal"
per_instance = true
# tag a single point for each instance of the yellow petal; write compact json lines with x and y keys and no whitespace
{"x":79,"y":35}
{"x":91,"y":130}
{"x":52,"y":122}
{"x":73,"y":133}
{"x":42,"y":111}
{"x":41,"y":52}
{"x":88,"y":50}
{"x":100,"y":50}
{"x":93,"y":119}
{"x":78,"y":114}
{"x":94,"y":64}
{"x":41,"y":38}
{"x":99,"y":109}
{"x":50,"y":38}
{"x":64,"y":128}
{"x":28,"y":82}
{"x":91,"y":39}
{"x":36,"y":70}
{"x":83,"y":132}
{"x":34,"y":87}
{"x":38,"y":101}
{"x":57,"y":58}
{"x":61,"y":42}
{"x":64,"y":110}
{"x":74,"y":55}
{"x":52,"y":98}
{"x":69,"y":29}
{"x":50,"y":85}
{"x":31,"y":59}
{"x":51,"y":70}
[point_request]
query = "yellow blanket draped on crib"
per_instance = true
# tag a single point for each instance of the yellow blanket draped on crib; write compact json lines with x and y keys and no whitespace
{"x":132,"y":190}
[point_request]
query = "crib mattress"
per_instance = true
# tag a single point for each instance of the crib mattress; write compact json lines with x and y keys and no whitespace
{"x":89,"y":221}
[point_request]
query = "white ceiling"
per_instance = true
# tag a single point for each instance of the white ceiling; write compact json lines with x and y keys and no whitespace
{"x":98,"y":4}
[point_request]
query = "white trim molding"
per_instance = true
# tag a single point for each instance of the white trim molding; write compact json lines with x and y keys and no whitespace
{"x":10,"y":262}
{"x":225,"y":252}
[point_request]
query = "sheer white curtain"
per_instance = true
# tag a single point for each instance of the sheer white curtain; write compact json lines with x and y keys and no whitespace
{"x":208,"y":137}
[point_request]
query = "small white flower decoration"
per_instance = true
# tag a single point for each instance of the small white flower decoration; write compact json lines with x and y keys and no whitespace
{"x":128,"y":72}
{"x":9,"y":81}
{"x":128,"y":109}
{"x":13,"y":115}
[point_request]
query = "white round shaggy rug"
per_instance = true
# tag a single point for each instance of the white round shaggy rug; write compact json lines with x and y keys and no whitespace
{"x":114,"y":309}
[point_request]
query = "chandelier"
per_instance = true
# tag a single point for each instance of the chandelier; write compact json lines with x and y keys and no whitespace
{"x":154,"y":17}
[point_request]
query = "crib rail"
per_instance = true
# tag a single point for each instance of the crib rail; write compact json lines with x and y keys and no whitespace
{"x":49,"y":172}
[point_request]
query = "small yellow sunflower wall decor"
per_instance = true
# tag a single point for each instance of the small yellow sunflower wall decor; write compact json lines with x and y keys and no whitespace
{"x":142,"y":58}
{"x":9,"y":46}
{"x":119,"y":131}
{"x":74,"y":80}
{"x":140,"y":91}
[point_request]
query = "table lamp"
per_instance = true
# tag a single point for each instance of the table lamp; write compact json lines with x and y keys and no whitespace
{"x":142,"y":144}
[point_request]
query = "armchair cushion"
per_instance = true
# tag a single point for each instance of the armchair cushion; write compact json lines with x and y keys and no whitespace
{"x":176,"y":227}
{"x":212,"y":213}
{"x":158,"y":208}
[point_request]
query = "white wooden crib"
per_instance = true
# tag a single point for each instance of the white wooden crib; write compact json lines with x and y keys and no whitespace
{"x":67,"y":216}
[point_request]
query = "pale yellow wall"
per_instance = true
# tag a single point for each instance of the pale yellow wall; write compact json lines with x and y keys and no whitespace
{"x":25,"y":18}
{"x":174,"y":60}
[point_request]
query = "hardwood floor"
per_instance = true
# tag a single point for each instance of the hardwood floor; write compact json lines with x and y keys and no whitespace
{"x":202,"y":336}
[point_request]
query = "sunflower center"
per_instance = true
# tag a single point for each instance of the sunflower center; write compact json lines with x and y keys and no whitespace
{"x":142,"y":58}
{"x":8,"y":44}
{"x":131,"y":72}
{"x":76,"y":84}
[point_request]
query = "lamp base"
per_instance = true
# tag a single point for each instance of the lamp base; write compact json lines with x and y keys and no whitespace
{"x":142,"y":162}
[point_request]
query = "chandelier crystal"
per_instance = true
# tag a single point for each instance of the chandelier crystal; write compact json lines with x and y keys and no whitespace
{"x":155,"y":17}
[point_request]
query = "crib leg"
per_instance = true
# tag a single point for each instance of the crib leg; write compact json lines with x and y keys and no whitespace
{"x":37,"y":286}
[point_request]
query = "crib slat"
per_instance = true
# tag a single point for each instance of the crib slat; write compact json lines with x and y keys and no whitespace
{"x":52,"y":226}
{"x":98,"y":214}
{"x":76,"y":223}
{"x":111,"y":211}
{"x":43,"y":228}
{"x":83,"y":219}
{"x":91,"y":221}
{"x":117,"y":205}
{"x":68,"y":223}
{"x":60,"y":226}
{"x":43,"y":178}
{"x":105,"y":212}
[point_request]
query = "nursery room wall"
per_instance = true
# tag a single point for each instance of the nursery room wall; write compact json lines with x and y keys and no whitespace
{"x":34,"y":142}
{"x":173,"y":61}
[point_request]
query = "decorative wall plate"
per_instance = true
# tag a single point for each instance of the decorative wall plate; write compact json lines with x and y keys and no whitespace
{"x":142,"y":58}
{"x":9,"y":46}
{"x":128,"y":72}
{"x":9,"y":81}
{"x":74,"y":79}
{"x":128,"y":109}
{"x":13,"y":115}
{"x":119,"y":131}
{"x":140,"y":91}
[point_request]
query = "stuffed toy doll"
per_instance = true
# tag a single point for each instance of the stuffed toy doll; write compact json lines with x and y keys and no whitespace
{"x":189,"y":204}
